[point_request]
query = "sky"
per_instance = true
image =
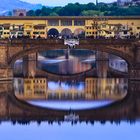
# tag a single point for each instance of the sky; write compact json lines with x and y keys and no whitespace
{"x":63,"y":2}
{"x":67,"y":131}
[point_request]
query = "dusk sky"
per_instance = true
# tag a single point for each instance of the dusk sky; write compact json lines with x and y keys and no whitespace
{"x":63,"y":2}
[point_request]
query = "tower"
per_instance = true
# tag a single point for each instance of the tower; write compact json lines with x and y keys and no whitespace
{"x":19,"y":12}
{"x":96,"y":2}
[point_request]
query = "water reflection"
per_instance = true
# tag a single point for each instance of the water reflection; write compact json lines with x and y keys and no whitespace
{"x":122,"y":116}
{"x":118,"y":64}
{"x":94,"y":92}
{"x":102,"y":64}
{"x":119,"y":113}
{"x":66,"y":67}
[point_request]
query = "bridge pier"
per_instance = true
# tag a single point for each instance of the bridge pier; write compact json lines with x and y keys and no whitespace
{"x":134,"y":73}
{"x":102,"y":64}
{"x":6,"y":73}
{"x":30,"y":65}
{"x":67,"y":53}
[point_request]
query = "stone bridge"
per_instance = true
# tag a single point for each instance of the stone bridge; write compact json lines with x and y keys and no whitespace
{"x":14,"y":109}
{"x":11,"y":50}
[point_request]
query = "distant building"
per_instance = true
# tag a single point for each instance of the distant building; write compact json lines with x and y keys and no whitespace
{"x":19,"y":12}
{"x":128,"y":2}
{"x":135,"y":2}
{"x":123,"y":2}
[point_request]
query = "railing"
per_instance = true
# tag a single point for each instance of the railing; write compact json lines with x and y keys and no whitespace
{"x":69,"y":41}
{"x":108,"y":41}
{"x":36,"y":41}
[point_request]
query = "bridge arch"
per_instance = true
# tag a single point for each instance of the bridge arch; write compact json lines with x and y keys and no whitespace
{"x":66,"y":32}
{"x":53,"y":32}
{"x":128,"y":59}
{"x":23,"y":53}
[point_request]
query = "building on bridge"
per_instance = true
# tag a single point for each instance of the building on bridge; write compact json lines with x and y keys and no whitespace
{"x":94,"y":27}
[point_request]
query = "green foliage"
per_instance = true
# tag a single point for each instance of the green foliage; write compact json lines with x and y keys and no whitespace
{"x":70,"y":10}
{"x":53,"y":14}
{"x":89,"y":9}
{"x":92,"y":13}
{"x":31,"y":13}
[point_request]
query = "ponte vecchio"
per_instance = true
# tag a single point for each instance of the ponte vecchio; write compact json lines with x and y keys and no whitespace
{"x":22,"y":36}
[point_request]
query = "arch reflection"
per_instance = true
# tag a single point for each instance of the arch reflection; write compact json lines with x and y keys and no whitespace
{"x":91,"y":93}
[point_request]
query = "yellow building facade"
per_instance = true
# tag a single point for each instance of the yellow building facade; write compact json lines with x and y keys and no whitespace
{"x":32,"y":88}
{"x":102,"y":88}
{"x":70,"y":26}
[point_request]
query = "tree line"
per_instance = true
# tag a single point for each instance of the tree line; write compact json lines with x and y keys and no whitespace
{"x":90,"y":9}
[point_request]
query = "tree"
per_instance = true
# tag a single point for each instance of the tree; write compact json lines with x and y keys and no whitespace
{"x":91,"y":6}
{"x":31,"y":13}
{"x":53,"y":14}
{"x":70,"y":10}
{"x":90,"y":9}
{"x":91,"y":13}
{"x":38,"y":12}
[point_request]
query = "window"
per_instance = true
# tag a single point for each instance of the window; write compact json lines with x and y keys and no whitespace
{"x":35,"y":32}
{"x":53,"y":22}
{"x":125,"y":32}
{"x":28,"y":26}
{"x":42,"y":33}
{"x":79,"y":22}
{"x":28,"y":87}
{"x":66,"y":23}
{"x":27,"y":82}
{"x":1,"y":28}
{"x":37,"y":27}
{"x":103,"y":26}
{"x":6,"y":28}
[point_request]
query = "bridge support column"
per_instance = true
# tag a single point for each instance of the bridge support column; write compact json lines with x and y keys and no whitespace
{"x":102,"y":64}
{"x":134,"y":73}
{"x":30,"y":65}
{"x":6,"y":73}
{"x":67,"y":53}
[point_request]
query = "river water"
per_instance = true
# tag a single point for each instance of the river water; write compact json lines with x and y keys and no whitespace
{"x":91,"y":87}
